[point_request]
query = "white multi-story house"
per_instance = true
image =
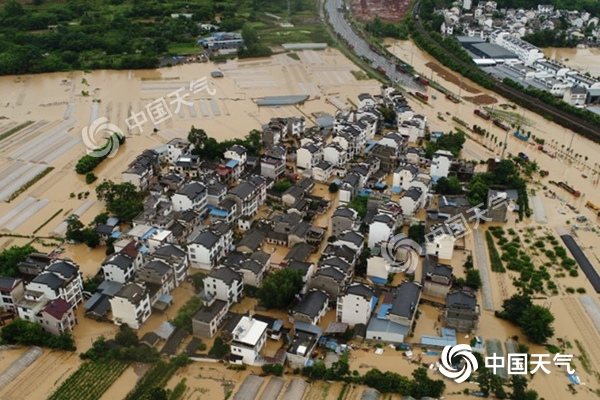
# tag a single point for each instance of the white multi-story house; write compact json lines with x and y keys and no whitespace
{"x":411,"y":201}
{"x":246,"y":196}
{"x":238,"y":153}
{"x":158,"y":238}
{"x":404,"y":175}
{"x":311,"y":308}
{"x":440,"y":242}
{"x":209,"y":318}
{"x":131,"y":305}
{"x":118,"y":267}
{"x":11,"y":290}
{"x":249,"y":337}
{"x":61,"y":279}
{"x":365,"y":99}
{"x":381,"y":229}
{"x":207,"y":246}
{"x":225,"y":284}
{"x":322,"y":171}
{"x":440,"y":164}
{"x":141,"y":171}
{"x":57,"y":317}
{"x":349,"y":188}
{"x":336,"y":155}
{"x":353,"y":240}
{"x":176,"y":148}
{"x":192,"y":196}
{"x":309,"y":155}
{"x":272,"y":167}
{"x":176,"y":257}
{"x":356,"y":305}
{"x":343,"y":219}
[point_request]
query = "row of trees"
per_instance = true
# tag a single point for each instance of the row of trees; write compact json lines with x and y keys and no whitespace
{"x":31,"y":334}
{"x":87,"y":163}
{"x":208,"y":148}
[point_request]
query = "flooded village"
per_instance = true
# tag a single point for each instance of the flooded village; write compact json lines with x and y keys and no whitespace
{"x":272,"y":260}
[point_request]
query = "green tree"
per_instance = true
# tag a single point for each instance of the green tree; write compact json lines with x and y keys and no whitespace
{"x":423,"y":385}
{"x":90,"y":178}
{"x":126,"y":336}
{"x":198,"y":281}
{"x":282,"y":185}
{"x":219,"y":350}
{"x":183,"y":319}
{"x":31,"y":334}
{"x":473,"y":279}
{"x":359,"y":203}
{"x":333,"y":187}
{"x":536,"y":323}
{"x":448,"y":186}
{"x":279,"y":288}
{"x":122,"y":200}
{"x":514,"y":307}
{"x":197,"y":137}
{"x":11,"y":257}
{"x":416,"y":232}
{"x":249,"y":35}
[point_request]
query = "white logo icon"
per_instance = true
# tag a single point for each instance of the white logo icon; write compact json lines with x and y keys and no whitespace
{"x":402,"y":252}
{"x":101,"y":129}
{"x":470,"y":362}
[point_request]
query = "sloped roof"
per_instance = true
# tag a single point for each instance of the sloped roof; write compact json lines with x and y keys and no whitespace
{"x":57,"y":308}
{"x":311,"y":304}
{"x":225,"y":274}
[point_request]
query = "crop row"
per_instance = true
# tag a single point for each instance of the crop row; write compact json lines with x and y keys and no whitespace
{"x":90,"y":381}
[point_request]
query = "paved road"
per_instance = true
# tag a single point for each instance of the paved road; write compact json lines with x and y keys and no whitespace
{"x":342,"y":27}
{"x":484,"y":270}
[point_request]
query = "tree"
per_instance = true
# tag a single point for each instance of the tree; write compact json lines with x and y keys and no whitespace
{"x":448,"y":186}
{"x":333,"y":187}
{"x":279,"y":289}
{"x":31,"y":334}
{"x":282,"y":185}
{"x":513,"y":308}
{"x":249,"y":35}
{"x":424,"y":386}
{"x":198,"y":281}
{"x":416,"y":232}
{"x":219,"y":349}
{"x":183,"y":319}
{"x":122,"y":200}
{"x":11,"y":257}
{"x":197,"y":137}
{"x":359,"y":203}
{"x":126,"y":336}
{"x":473,"y":279}
{"x":536,"y":323}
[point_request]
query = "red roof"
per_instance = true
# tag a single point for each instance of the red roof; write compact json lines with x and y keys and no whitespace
{"x":131,"y":250}
{"x":57,"y":308}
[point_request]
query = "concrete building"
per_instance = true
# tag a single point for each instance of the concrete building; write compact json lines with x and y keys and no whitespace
{"x":118,"y":267}
{"x":61,"y":279}
{"x":381,"y":228}
{"x":209,"y":318}
{"x":311,"y":308}
{"x":205,"y":247}
{"x":58,"y":317}
{"x":436,"y":279}
{"x":192,"y":196}
{"x":249,"y":337}
{"x":440,"y":164}
{"x":225,"y":284}
{"x":343,"y":219}
{"x":462,"y":312}
{"x":356,"y":305}
{"x":11,"y":290}
{"x":309,"y":155}
{"x":131,"y":305}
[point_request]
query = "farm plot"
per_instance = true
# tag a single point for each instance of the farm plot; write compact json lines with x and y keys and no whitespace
{"x":90,"y":381}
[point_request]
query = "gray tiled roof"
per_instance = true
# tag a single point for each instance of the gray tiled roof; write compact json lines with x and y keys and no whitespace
{"x":311,"y":304}
{"x":50,"y":280}
{"x":406,"y":299}
{"x":360,"y":289}
{"x":460,"y":300}
{"x":120,"y":260}
{"x":192,"y":190}
{"x":64,"y":268}
{"x":160,"y":267}
{"x":243,"y":190}
{"x":207,"y":238}
{"x":225,"y":274}
{"x":170,"y":250}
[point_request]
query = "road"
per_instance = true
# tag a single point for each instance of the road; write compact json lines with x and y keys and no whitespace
{"x":484,"y":270}
{"x":342,"y":27}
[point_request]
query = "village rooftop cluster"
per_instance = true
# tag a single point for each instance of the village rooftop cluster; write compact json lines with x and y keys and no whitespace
{"x":204,"y":216}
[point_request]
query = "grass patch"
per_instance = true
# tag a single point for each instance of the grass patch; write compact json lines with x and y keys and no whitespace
{"x":47,"y":221}
{"x":495,"y":260}
{"x":14,"y":130}
{"x":29,"y":184}
{"x":359,"y":75}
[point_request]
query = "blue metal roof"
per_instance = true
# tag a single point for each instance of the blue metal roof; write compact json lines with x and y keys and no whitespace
{"x":378,"y":280}
{"x":115,"y":234}
{"x":218,"y":213}
{"x":166,"y":298}
{"x":374,"y":301}
{"x":232,"y":163}
{"x":281,"y":100}
{"x":383,"y":310}
{"x":149,"y":233}
{"x":396,"y":189}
